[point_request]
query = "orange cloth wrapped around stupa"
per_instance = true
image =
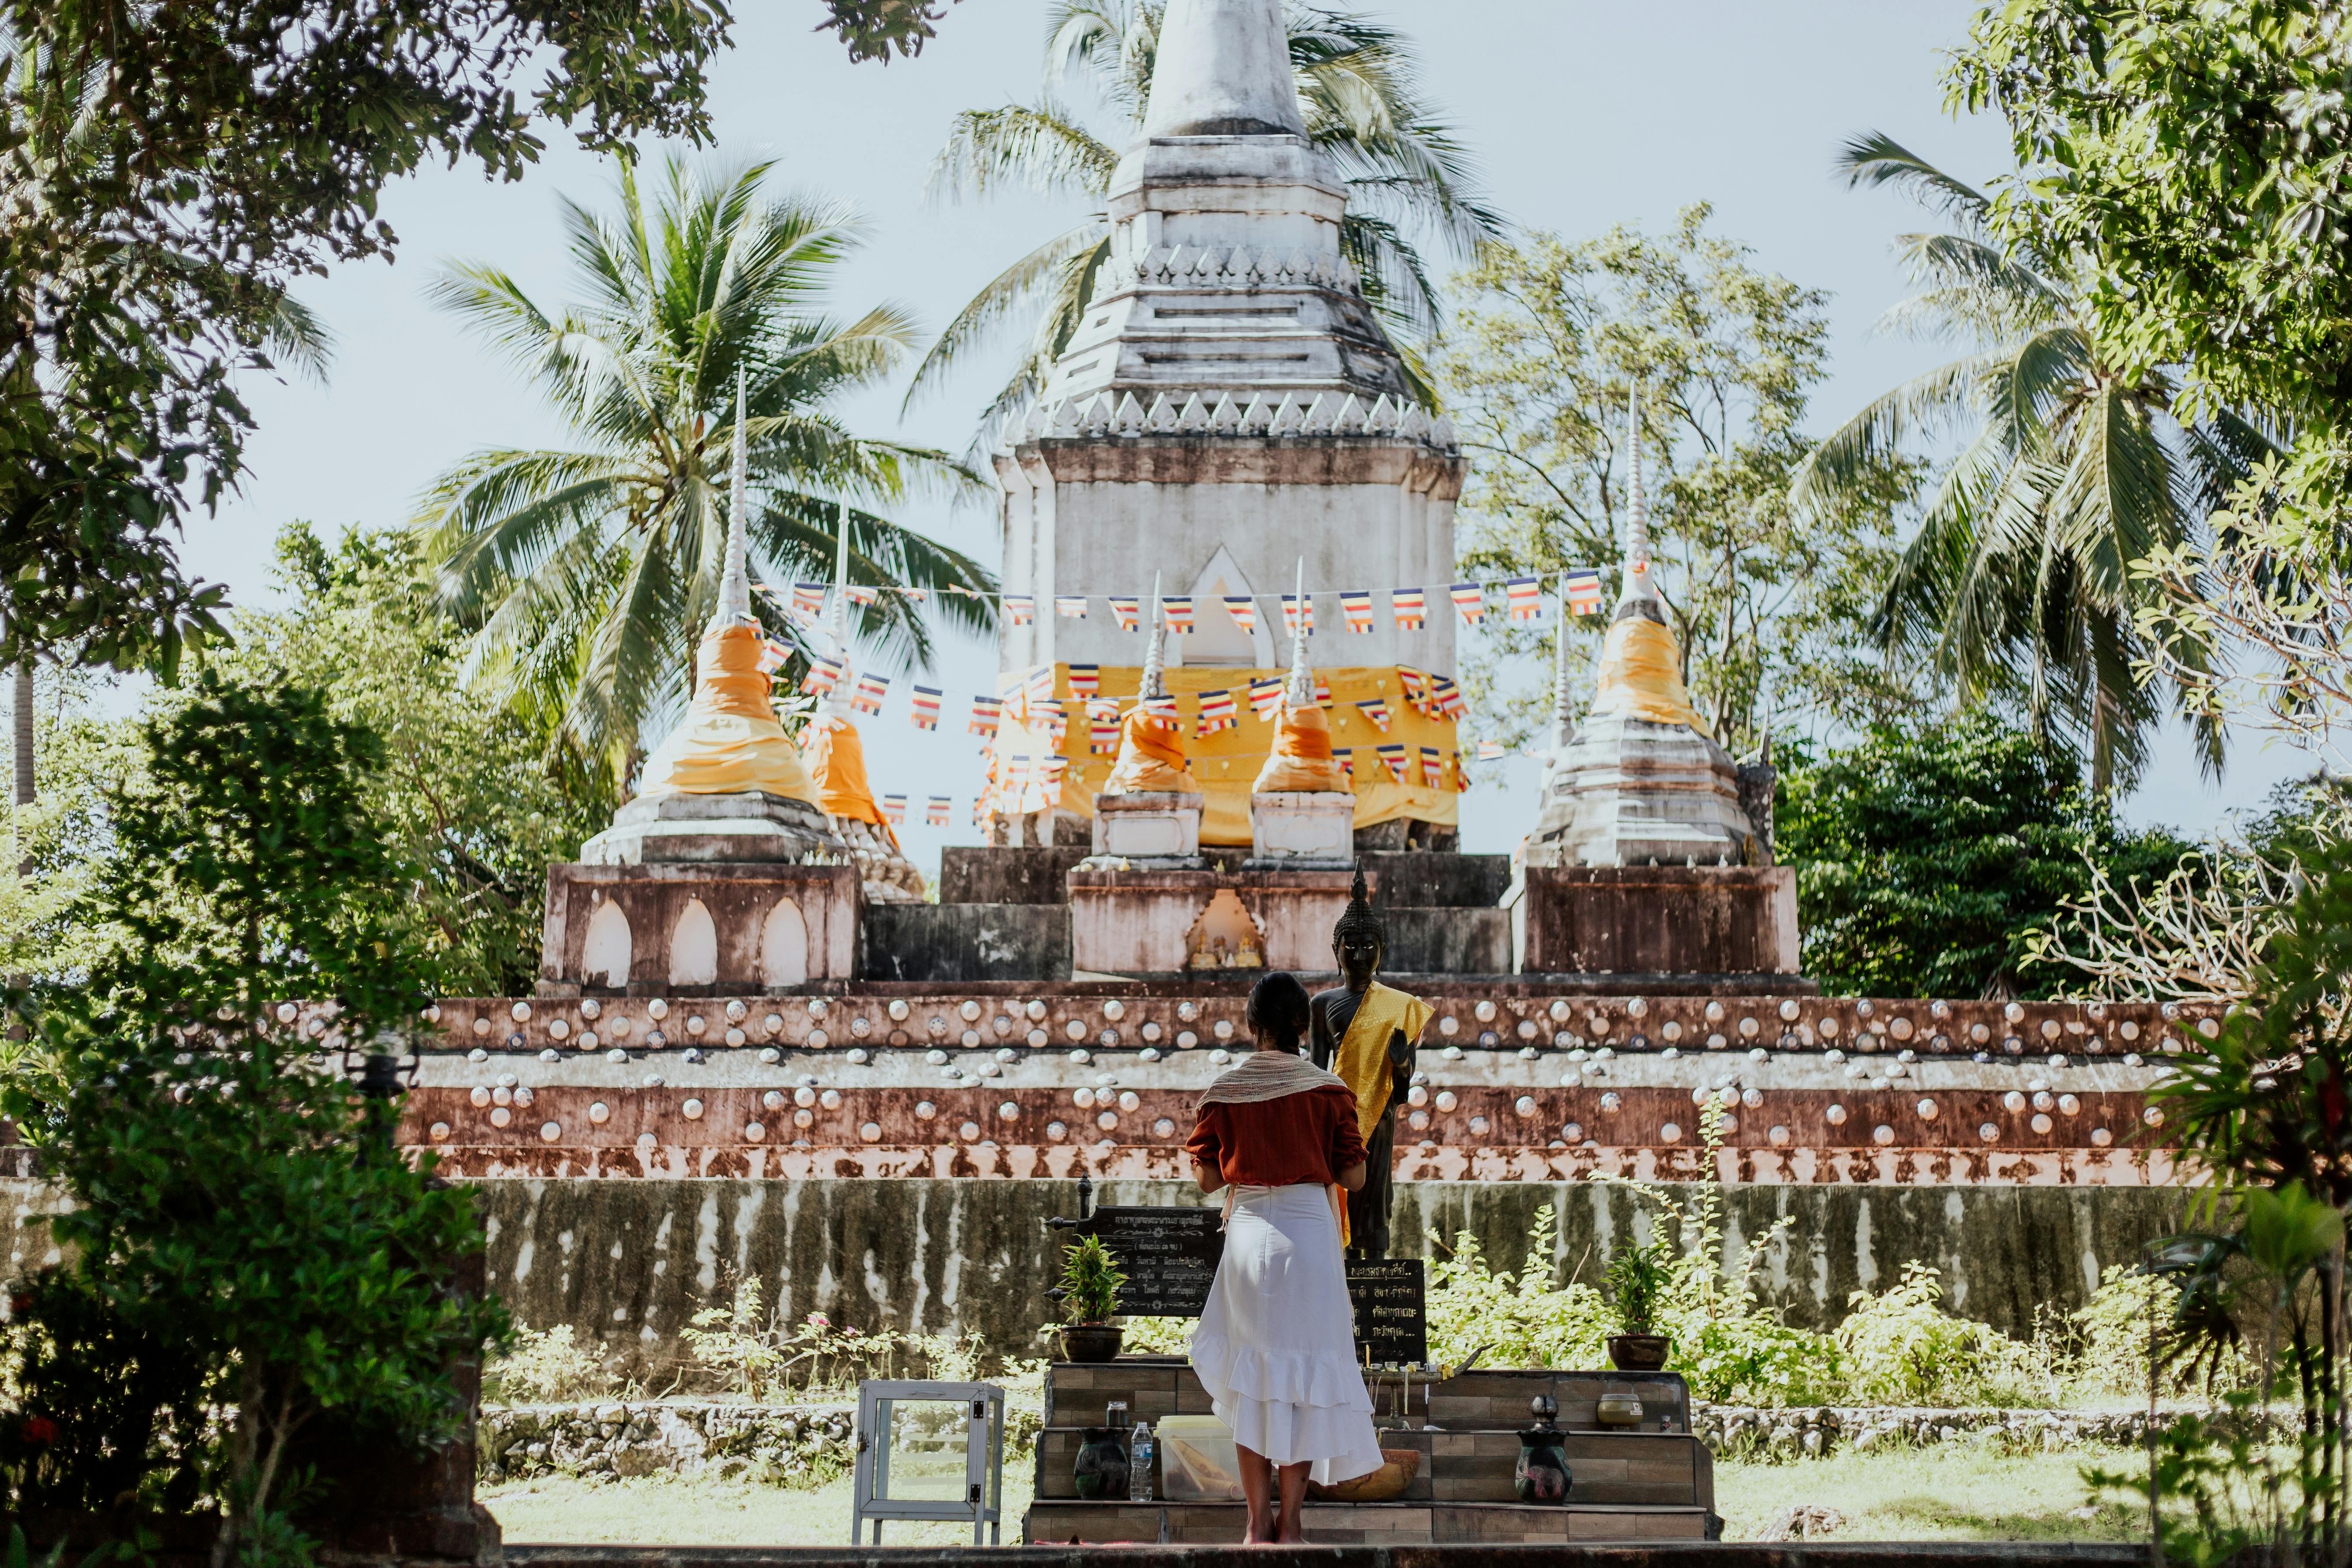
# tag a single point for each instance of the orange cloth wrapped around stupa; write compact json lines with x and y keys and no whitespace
{"x":730,"y":743}
{"x":837,"y":757}
{"x":1150,"y":759}
{"x":1642,"y":676}
{"x":1302,"y":756}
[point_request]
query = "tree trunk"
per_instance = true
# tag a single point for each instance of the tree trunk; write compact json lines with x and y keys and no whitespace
{"x":22,"y":711}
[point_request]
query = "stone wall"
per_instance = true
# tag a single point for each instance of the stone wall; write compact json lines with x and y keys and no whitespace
{"x":628,"y":1262}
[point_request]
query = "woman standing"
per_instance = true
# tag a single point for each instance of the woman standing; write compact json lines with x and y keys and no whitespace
{"x":1276,"y":1345}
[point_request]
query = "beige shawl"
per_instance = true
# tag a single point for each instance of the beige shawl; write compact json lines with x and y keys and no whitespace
{"x":1272,"y":1075}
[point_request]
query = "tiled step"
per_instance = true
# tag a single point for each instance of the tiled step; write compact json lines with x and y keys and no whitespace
{"x":1357,"y":1524}
{"x":1613,"y":1468}
{"x":1076,"y":1395}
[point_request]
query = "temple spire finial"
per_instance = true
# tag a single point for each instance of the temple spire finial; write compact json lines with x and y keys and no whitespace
{"x":1300,"y":692}
{"x":735,"y":583}
{"x":1637,"y":584}
{"x":1223,"y":69}
{"x":1562,"y":713}
{"x":838,"y":701}
{"x":1155,"y":653}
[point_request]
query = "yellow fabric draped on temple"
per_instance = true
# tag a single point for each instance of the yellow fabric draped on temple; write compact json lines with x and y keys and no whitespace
{"x":1302,"y":758}
{"x":730,"y":743}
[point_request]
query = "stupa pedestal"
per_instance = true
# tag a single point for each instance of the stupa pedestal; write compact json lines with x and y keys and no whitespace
{"x":1302,"y":829}
{"x":1649,"y":921}
{"x":1170,"y":923}
{"x":755,"y":825}
{"x":1151,"y":829}
{"x":722,"y":926}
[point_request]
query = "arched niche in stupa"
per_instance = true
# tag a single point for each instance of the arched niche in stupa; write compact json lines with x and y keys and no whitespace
{"x":783,"y":946}
{"x":605,"y":954}
{"x":694,"y":947}
{"x":1214,"y":639}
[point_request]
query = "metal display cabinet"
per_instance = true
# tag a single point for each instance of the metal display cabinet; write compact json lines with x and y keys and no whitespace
{"x":928,"y":1451}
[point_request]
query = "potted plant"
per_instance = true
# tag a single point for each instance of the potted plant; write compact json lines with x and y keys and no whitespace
{"x":1089,"y":1296}
{"x":1637,"y":1280}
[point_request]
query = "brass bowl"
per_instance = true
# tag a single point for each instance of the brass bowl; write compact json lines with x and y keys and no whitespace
{"x":1619,"y":1410}
{"x":1384,"y":1485}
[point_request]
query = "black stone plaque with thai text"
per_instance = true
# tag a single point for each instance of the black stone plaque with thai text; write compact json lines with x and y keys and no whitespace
{"x":1391,"y":1311}
{"x":1170,"y":1257}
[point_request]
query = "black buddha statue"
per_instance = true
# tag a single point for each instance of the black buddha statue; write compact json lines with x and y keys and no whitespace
{"x":1365,"y":1032}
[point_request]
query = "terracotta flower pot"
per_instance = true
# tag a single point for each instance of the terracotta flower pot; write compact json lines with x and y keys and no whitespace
{"x":1091,"y":1342}
{"x":1639,"y":1352}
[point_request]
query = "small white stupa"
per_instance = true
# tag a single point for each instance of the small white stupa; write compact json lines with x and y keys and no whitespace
{"x":1638,"y":781}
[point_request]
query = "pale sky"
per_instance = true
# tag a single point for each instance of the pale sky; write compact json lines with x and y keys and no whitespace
{"x":1581,"y":116}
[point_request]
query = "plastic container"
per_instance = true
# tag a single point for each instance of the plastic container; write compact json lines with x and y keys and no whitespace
{"x":1197,"y":1461}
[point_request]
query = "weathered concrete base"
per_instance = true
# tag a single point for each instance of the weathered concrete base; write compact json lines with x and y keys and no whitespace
{"x":1654,"y":919}
{"x":691,"y":929}
{"x":1171,"y":923}
{"x":754,"y":827}
{"x":988,"y":874}
{"x":1302,"y":828}
{"x":1144,"y":1552}
{"x":946,"y":943}
{"x":1149,"y":829}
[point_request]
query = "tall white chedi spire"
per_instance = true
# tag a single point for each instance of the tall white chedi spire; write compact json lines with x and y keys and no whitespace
{"x":838,"y":702}
{"x":1637,"y":584}
{"x":735,"y":582}
{"x":1300,"y":693}
{"x":1223,"y":69}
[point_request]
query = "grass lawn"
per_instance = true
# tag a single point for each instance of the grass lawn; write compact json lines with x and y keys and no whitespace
{"x":1897,"y":1495}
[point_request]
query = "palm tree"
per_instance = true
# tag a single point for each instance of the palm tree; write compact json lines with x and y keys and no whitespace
{"x":586,"y":575}
{"x":1358,"y":90}
{"x":2019,"y":584}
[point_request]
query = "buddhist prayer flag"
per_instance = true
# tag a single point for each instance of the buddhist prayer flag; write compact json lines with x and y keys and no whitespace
{"x":1470,"y":599}
{"x":871,"y":689}
{"x":980,"y":809}
{"x":808,"y":599}
{"x":894,"y":809}
{"x":1525,"y":596}
{"x":1347,"y":762}
{"x":1298,"y":611}
{"x":1128,"y":610}
{"x":1242,"y":609}
{"x":1057,"y":725}
{"x":1393,"y":755}
{"x":1322,"y":692}
{"x":1037,"y":692}
{"x":1432,"y":766}
{"x":1583,"y":592}
{"x":937,"y":812}
{"x":858,"y":594}
{"x":1409,"y":608}
{"x":1416,"y":686}
{"x":1217,"y":712}
{"x":925,"y":713}
{"x":824,"y":674}
{"x":1490,"y":750}
{"x":1086,"y":679}
{"x":774,"y":656}
{"x":985,"y":712}
{"x":1051,"y":779}
{"x":1102,"y":727}
{"x":915,"y":596}
{"x":1357,"y":610}
{"x":1376,"y":709}
{"x":1021,"y":608}
{"x":1179,"y":614}
{"x":1447,"y":698}
{"x":1264,"y":696}
{"x":1162,"y":710}
{"x":1070,"y":606}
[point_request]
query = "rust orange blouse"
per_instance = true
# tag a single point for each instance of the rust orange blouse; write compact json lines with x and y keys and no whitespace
{"x":1308,"y":1137}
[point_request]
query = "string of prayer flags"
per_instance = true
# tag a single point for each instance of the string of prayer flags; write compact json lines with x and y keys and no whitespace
{"x":1583,"y":592}
{"x":1242,"y":609}
{"x":1162,"y":710}
{"x":1411,"y":608}
{"x":824,"y":674}
{"x":1264,"y":697}
{"x":1216,"y":712}
{"x":915,"y":596}
{"x":1128,"y":609}
{"x":871,"y":689}
{"x":1490,"y":750}
{"x":774,"y":656}
{"x":894,"y":809}
{"x":980,"y":809}
{"x":1179,"y":613}
{"x":1447,"y":698}
{"x":1376,"y":709}
{"x":1393,"y":755}
{"x":985,"y":712}
{"x":1524,"y":596}
{"x":1020,"y":609}
{"x":925,"y":712}
{"x":1296,"y":612}
{"x":1070,"y":606}
{"x":1357,"y":610}
{"x":859,"y":595}
{"x":937,"y":810}
{"x":1086,"y":679}
{"x":1470,"y":599}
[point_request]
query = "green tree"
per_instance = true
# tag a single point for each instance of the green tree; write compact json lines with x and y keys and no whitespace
{"x":1929,"y":856}
{"x":873,"y":28}
{"x":2019,"y":584}
{"x":1406,"y":174}
{"x":585,"y":576}
{"x":1553,"y":338}
{"x":231,"y":1197}
{"x":167,"y":173}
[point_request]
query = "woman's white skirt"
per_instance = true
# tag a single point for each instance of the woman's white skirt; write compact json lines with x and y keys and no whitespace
{"x":1276,"y":1348}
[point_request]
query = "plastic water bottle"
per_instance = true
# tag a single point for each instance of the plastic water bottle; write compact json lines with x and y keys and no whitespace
{"x":1139,"y":1463}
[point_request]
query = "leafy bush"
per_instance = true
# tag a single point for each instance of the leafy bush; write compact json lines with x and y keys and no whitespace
{"x":546,"y":1366}
{"x":1903,"y":1348}
{"x":1504,"y":1319}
